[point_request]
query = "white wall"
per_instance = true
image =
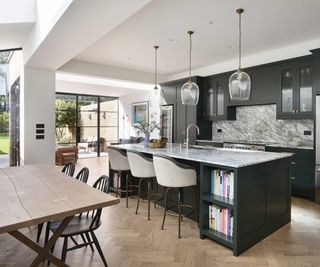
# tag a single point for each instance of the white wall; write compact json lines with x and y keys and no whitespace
{"x":125,"y":127}
{"x":39,"y":107}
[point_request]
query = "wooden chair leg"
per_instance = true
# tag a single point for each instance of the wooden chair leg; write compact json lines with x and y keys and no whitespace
{"x":96,"y":242}
{"x":46,"y":238}
{"x":83,"y":239}
{"x":165,"y":207}
{"x":64,"y":249}
{"x":89,"y":240}
{"x":40,"y":226}
{"x":149,"y":196}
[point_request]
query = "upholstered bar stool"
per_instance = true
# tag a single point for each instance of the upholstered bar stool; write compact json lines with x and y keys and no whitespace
{"x":119,"y":163}
{"x":142,"y":168}
{"x":172,"y":174}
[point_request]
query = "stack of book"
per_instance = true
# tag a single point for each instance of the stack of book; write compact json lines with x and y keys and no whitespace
{"x":221,"y":219}
{"x":222,"y":183}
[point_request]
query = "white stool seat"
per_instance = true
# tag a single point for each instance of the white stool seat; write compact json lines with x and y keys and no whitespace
{"x":171,"y":173}
{"x":118,"y":159}
{"x":140,"y":165}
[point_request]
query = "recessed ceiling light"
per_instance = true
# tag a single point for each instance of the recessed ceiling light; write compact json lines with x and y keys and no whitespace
{"x":171,"y":40}
{"x":167,"y":66}
{"x":129,"y":58}
{"x":210,"y":22}
{"x":229,"y":46}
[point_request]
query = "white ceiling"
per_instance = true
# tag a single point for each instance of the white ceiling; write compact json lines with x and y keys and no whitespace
{"x":267,"y":25}
{"x":13,"y":35}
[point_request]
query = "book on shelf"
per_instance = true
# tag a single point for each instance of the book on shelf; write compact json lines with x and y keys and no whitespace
{"x":222,"y":183}
{"x":221,"y":220}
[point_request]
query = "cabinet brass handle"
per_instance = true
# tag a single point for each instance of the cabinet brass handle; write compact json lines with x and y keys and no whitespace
{"x":297,"y":110}
{"x":293,"y":163}
{"x":293,"y":111}
{"x":293,"y":178}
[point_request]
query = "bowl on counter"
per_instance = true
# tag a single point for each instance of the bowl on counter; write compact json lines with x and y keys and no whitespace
{"x":154,"y":143}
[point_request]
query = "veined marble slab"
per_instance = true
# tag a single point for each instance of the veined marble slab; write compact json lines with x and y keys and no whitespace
{"x":220,"y":156}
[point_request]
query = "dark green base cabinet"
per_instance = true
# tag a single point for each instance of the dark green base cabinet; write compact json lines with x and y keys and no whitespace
{"x":302,"y":171}
{"x":261,"y":204}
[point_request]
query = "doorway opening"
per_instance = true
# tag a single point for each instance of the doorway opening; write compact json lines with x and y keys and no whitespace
{"x":10,"y":72}
{"x":89,"y":122}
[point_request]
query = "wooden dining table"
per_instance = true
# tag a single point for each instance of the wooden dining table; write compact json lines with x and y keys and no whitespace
{"x":34,"y":194}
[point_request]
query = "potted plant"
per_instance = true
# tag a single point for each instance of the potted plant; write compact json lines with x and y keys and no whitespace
{"x":146,"y":128}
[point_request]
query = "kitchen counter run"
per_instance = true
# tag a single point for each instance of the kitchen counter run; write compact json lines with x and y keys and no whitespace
{"x":219,"y":156}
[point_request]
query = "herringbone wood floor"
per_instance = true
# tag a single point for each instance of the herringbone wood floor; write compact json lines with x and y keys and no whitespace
{"x":130,"y":240}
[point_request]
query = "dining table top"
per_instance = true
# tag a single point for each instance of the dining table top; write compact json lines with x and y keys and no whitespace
{"x":34,"y":194}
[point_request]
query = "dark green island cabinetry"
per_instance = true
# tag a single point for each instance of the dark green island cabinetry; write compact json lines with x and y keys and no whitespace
{"x":261,"y":203}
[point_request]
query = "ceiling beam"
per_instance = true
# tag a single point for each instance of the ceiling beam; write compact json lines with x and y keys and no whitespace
{"x":82,"y":23}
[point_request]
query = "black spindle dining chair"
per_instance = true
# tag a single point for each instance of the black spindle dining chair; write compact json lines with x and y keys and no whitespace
{"x":84,"y":224}
{"x":69,"y":169}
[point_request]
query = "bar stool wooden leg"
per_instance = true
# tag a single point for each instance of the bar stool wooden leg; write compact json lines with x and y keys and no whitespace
{"x":127,"y":189}
{"x":165,"y":207}
{"x":139,"y":195}
{"x":179,"y":211}
{"x":117,"y":184}
{"x":195,"y":206}
{"x":149,"y":196}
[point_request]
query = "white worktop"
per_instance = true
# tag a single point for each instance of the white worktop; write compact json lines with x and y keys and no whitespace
{"x":219,"y":156}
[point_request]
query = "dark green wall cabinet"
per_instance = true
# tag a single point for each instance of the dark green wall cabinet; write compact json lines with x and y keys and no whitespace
{"x":216,"y":98}
{"x":296,"y":85}
{"x":263,"y":86}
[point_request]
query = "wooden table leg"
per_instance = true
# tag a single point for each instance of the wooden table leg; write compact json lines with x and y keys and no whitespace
{"x":43,"y":252}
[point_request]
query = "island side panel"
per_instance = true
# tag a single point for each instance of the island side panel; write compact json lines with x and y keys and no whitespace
{"x":264,"y":201}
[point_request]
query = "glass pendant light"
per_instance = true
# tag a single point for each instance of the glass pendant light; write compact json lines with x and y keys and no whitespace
{"x":239,"y":82}
{"x":156,"y":95}
{"x":190,"y":90}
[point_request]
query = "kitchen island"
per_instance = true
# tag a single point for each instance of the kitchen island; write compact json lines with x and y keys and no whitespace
{"x":260,"y":202}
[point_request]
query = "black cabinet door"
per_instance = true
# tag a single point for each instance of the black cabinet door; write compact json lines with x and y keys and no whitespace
{"x":263,"y":86}
{"x":302,"y":171}
{"x":209,"y":100}
{"x":296,"y":86}
{"x":216,"y":99}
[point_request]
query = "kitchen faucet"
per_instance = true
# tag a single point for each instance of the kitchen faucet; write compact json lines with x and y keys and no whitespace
{"x":189,"y":126}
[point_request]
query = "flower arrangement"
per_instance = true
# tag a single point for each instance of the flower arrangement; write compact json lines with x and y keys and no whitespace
{"x":146,"y":127}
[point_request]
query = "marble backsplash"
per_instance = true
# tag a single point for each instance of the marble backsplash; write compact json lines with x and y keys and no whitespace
{"x":259,"y":124}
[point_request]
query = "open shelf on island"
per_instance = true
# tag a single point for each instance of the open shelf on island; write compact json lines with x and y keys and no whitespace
{"x":220,"y":201}
{"x":220,"y":237}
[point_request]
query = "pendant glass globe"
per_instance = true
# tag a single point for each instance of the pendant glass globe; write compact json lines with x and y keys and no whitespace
{"x":156,"y":99}
{"x":239,"y":86}
{"x":190,"y":93}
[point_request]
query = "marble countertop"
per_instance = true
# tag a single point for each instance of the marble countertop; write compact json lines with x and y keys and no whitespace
{"x":220,"y":156}
{"x":308,"y":145}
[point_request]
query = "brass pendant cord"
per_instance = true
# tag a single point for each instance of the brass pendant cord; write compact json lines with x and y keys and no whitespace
{"x":155,"y":66}
{"x":240,"y":38}
{"x":190,"y":33}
